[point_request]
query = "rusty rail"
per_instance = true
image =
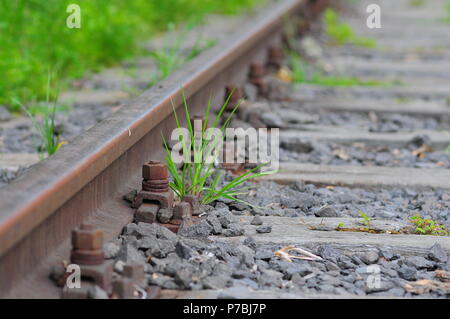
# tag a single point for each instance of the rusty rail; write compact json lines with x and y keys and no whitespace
{"x":84,"y":181}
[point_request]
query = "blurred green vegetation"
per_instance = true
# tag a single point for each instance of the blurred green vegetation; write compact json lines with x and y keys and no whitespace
{"x":342,"y":33}
{"x":34,"y":37}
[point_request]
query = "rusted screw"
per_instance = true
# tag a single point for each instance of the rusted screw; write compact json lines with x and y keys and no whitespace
{"x":235,"y":93}
{"x":275,"y":57}
{"x":182,"y":210}
{"x":155,"y":177}
{"x":195,"y":205}
{"x":257,"y":72}
{"x":154,"y":170}
{"x":256,"y":77}
{"x":135,"y":273}
{"x":87,"y":244}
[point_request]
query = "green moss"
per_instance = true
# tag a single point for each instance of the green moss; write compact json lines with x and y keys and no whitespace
{"x":341,"y":33}
{"x":299,"y":75}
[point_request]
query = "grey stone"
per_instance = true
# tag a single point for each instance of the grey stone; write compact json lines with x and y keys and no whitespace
{"x":225,"y":218}
{"x":251,"y":91}
{"x":160,"y":248}
{"x":382,"y":286}
{"x":407,"y":273}
{"x":328,"y":252}
{"x":130,"y":196}
{"x":302,"y":269}
{"x":418,"y":262}
{"x":215,"y":282}
{"x":185,"y":277}
{"x":164,"y":215}
{"x":327,"y":289}
{"x":345,"y":262}
{"x":97,"y":293}
{"x":245,"y":282}
{"x":250,"y":242}
{"x":264,"y":254}
{"x":326,"y":211}
{"x":4,"y":114}
{"x":272,"y":120}
{"x":387,"y":254}
{"x":297,"y":145}
{"x":234,"y":230}
{"x":162,"y":281}
{"x":370,"y":257}
{"x":215,"y":223}
{"x":385,"y":214}
{"x":257,"y":220}
{"x":270,"y":278}
{"x":239,"y":206}
{"x":264,"y":229}
{"x":111,"y":250}
{"x":200,"y":229}
{"x":183,"y":250}
{"x":437,"y":254}
{"x":151,"y":230}
{"x":331,"y":266}
{"x":134,"y":256}
{"x":247,"y":255}
{"x":118,"y":266}
{"x":298,"y":280}
{"x":396,"y":292}
{"x":356,"y":260}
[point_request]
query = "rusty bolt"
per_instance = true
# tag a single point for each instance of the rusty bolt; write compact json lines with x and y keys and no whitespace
{"x":153,"y":292}
{"x":182,"y":210}
{"x":87,"y":244}
{"x":275,"y":56}
{"x":154,"y":170}
{"x":87,"y":257}
{"x":123,"y":288}
{"x":146,"y":213}
{"x":135,"y":273}
{"x":235,"y":94}
{"x":195,"y":205}
{"x":87,"y":238}
{"x":257,"y":70}
{"x":157,"y":186}
{"x":256,"y":77}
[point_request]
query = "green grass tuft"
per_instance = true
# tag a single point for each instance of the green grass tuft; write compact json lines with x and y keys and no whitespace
{"x":299,"y":75}
{"x":341,"y":33}
{"x":44,"y":125}
{"x":198,"y":175}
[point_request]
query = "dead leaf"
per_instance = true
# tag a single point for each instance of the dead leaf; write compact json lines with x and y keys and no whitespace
{"x":421,"y":151}
{"x":284,"y":74}
{"x":341,"y":154}
{"x":441,"y":164}
{"x":443,"y":275}
{"x":425,"y":286}
{"x":283,"y":254}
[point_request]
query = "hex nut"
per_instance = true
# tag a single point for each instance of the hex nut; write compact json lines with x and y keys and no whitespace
{"x":154,"y":171}
{"x":91,"y":239}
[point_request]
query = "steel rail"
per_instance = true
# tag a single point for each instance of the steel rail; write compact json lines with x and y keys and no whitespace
{"x":84,"y":180}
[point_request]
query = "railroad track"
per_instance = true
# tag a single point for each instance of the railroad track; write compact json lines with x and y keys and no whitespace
{"x":84,"y":182}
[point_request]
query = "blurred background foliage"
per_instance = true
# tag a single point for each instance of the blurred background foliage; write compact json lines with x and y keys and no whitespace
{"x":34,"y":37}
